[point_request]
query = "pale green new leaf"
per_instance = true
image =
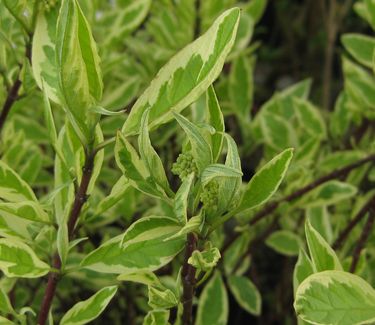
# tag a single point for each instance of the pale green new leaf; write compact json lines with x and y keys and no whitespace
{"x":161,"y":299}
{"x":192,"y":225}
{"x":218,"y":170}
{"x":201,"y":149}
{"x":63,"y":242}
{"x":5,"y":321}
{"x":361,"y":47}
{"x":149,"y":156}
{"x":284,"y":242}
{"x":205,"y":260}
{"x":322,"y":255}
{"x":187,"y":75}
{"x":180,"y":203}
{"x":266,"y":181}
{"x":303,"y":268}
{"x":335,"y":298}
{"x":134,"y":168}
{"x":19,"y":260}
{"x":12,"y":187}
{"x":141,"y":248}
{"x":157,"y":317}
{"x":48,"y":118}
{"x":246,"y":294}
{"x":87,"y":310}
{"x":215,"y":118}
{"x":213,"y":303}
{"x":5,"y":304}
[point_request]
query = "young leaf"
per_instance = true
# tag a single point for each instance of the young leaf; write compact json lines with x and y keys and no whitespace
{"x":180,"y":204}
{"x":149,"y":156}
{"x":141,"y":248}
{"x":266,"y":181}
{"x":201,"y":149}
{"x":335,"y":298}
{"x":205,"y":260}
{"x":218,"y":170}
{"x":134,"y":168}
{"x":12,"y":187}
{"x":213,"y":303}
{"x":161,"y":299}
{"x":361,"y":47}
{"x":322,"y":255}
{"x":48,"y":118}
{"x":145,"y":277}
{"x":187,"y":75}
{"x":63,"y":242}
{"x":215,"y":118}
{"x":5,"y":304}
{"x":19,"y":260}
{"x":77,"y":58}
{"x":284,"y":242}
{"x":303,"y":268}
{"x":246,"y":294}
{"x":157,"y":317}
{"x":87,"y":310}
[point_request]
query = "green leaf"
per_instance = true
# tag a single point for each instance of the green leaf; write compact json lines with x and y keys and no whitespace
{"x":161,"y":299}
{"x":180,"y":203}
{"x":48,"y":118}
{"x":63,"y":242}
{"x":213,"y":303}
{"x":5,"y":321}
{"x":335,"y":298}
{"x":187,"y":75}
{"x":78,"y":63}
{"x":141,"y":248}
{"x":87,"y":310}
{"x":266,"y":181}
{"x":328,"y":193}
{"x":241,"y":87}
{"x":320,"y":220}
{"x":149,"y":156}
{"x":218,"y":170}
{"x":157,"y":317}
{"x":303,"y":268}
{"x":44,"y":65}
{"x":246,"y":294}
{"x":12,"y":187}
{"x":127,"y":19}
{"x":19,"y":260}
{"x":192,"y":225}
{"x":145,"y":277}
{"x":322,"y":255}
{"x":361,"y":47}
{"x":215,"y":118}
{"x":201,"y":149}
{"x":5,"y":304}
{"x":284,"y":242}
{"x":256,"y":9}
{"x":310,"y":118}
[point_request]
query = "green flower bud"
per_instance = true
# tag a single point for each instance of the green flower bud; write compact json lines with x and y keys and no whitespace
{"x":184,"y":165}
{"x":209,"y":195}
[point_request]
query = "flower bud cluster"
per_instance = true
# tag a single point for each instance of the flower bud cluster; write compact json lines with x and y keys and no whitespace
{"x":209,"y":195}
{"x":184,"y":165}
{"x":50,"y":4}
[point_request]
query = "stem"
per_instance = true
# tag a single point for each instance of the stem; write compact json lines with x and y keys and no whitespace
{"x":350,"y":226}
{"x":79,"y":201}
{"x":269,"y":208}
{"x":13,"y":93}
{"x":188,"y":281}
{"x":366,"y":232}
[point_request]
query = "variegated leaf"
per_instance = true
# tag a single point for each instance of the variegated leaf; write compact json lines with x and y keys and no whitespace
{"x":187,"y":75}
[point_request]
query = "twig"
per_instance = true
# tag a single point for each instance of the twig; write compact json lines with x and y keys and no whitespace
{"x":366,"y":232}
{"x":350,"y":226}
{"x":79,"y":201}
{"x":188,"y":280}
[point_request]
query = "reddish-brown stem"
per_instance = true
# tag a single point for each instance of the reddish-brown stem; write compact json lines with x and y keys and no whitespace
{"x":350,"y":226}
{"x":363,"y":239}
{"x":188,"y":280}
{"x":13,"y":92}
{"x":79,"y":201}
